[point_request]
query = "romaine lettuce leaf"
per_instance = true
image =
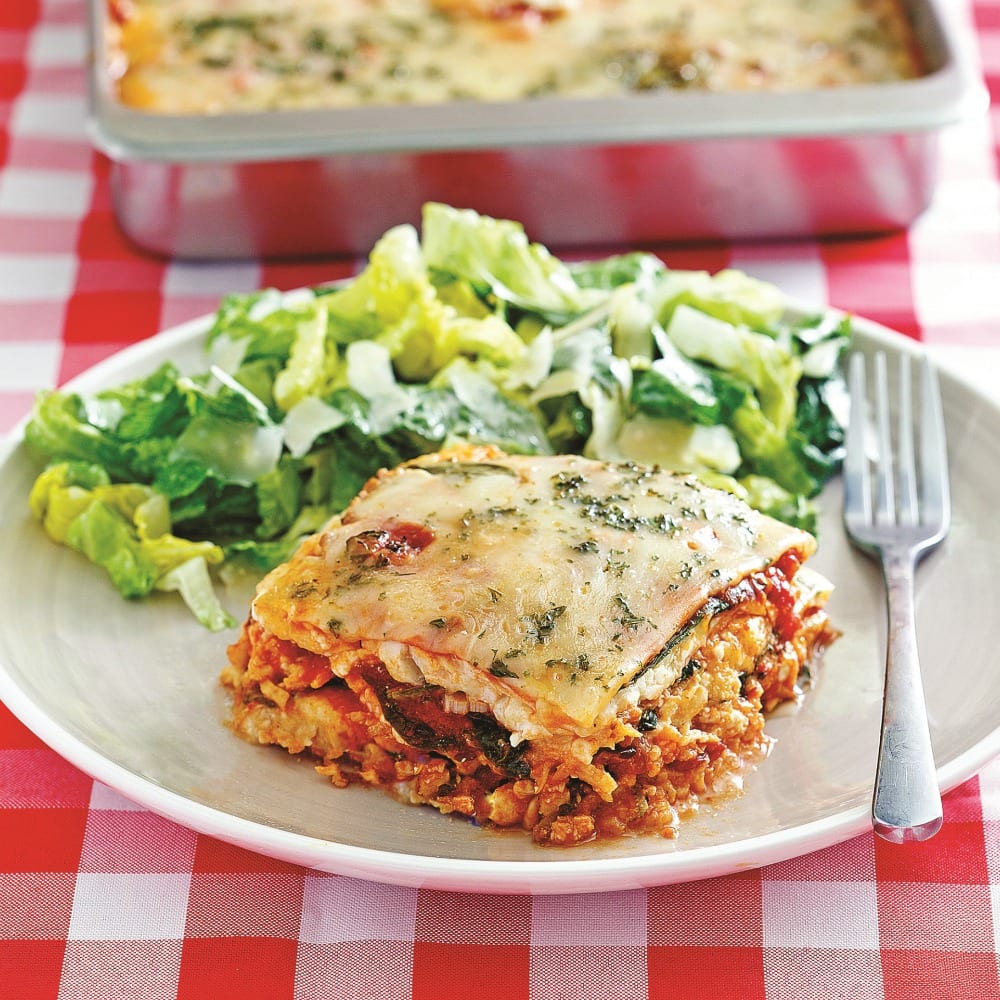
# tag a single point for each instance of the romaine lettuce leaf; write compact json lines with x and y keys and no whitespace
{"x":498,"y":261}
{"x":729,"y":295}
{"x":758,"y":359}
{"x":125,"y":529}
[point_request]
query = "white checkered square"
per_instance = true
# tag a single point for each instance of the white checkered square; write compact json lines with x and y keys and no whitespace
{"x":54,"y":45}
{"x":127,"y":969}
{"x":103,"y":797}
{"x":956,"y":293}
{"x":841,"y":915}
{"x":187,"y":279}
{"x":193,"y":290}
{"x":989,"y":790}
{"x":44,"y":194}
{"x":355,"y":970}
{"x":345,"y":909}
{"x":989,"y":797}
{"x":14,"y":406}
{"x":593,"y":972}
{"x":36,"y":278}
{"x":610,"y":918}
{"x":50,"y":116}
{"x":134,"y":907}
{"x":823,"y":974}
{"x":26,"y":367}
{"x":966,"y":206}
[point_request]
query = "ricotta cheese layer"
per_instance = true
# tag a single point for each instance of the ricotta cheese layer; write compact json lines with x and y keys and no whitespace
{"x":209,"y":56}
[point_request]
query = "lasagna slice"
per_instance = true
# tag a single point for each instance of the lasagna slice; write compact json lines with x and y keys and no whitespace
{"x":576,"y":648}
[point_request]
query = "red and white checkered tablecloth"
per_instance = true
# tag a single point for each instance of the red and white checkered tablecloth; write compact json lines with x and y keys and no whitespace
{"x":101,"y":899}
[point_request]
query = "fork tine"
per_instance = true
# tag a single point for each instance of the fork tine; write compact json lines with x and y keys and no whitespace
{"x":906,"y":461}
{"x":935,"y":494}
{"x":885,"y":494}
{"x":857,"y":479}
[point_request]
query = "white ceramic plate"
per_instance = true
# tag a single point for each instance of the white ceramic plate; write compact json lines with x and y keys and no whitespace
{"x":128,"y":692}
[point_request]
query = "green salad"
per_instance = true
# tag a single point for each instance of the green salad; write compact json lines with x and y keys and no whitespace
{"x":463,"y":332}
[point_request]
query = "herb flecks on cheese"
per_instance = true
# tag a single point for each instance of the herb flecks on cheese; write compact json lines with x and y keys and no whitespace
{"x":206,"y":56}
{"x":562,"y":576}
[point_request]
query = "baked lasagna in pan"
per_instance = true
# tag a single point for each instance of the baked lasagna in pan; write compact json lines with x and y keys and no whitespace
{"x":211,"y":56}
{"x":577,"y":648}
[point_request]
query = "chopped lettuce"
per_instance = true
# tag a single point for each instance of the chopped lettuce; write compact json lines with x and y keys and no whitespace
{"x":498,"y":261}
{"x":125,"y":529}
{"x":464,"y":332}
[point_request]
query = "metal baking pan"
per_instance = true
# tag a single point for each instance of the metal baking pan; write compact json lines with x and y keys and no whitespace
{"x":644,"y":168}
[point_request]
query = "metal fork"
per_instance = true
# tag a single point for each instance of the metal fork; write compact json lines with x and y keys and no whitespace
{"x":909,"y":517}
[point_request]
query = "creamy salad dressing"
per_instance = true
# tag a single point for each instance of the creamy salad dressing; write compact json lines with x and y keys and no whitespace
{"x":209,"y":56}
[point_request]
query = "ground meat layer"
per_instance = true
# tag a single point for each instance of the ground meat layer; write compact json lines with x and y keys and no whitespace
{"x":422,"y":745}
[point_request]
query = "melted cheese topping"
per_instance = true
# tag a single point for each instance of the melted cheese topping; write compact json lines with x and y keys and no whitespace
{"x":206,"y":56}
{"x":550,"y":581}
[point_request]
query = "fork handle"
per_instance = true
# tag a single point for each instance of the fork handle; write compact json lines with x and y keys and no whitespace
{"x":907,"y":801}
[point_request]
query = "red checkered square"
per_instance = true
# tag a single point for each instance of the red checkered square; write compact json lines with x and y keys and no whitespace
{"x":128,"y":313}
{"x":723,"y":912}
{"x":101,"y":238}
{"x":922,"y":916}
{"x":852,"y":861}
{"x":302,"y":274}
{"x":14,"y":735}
{"x":35,"y":906}
{"x":235,"y":968}
{"x":20,"y":14}
{"x":26,"y":235}
{"x":248,"y":904}
{"x":360,"y":970}
{"x":986,"y":17}
{"x":38,"y":778}
{"x":34,"y":151}
{"x":457,"y":918}
{"x":78,"y":358}
{"x":216,"y":856}
{"x":872,"y":279}
{"x":95,"y":277}
{"x":62,"y":11}
{"x":442,"y":971}
{"x":956,"y":854}
{"x":12,"y":79}
{"x":30,"y":970}
{"x":32,"y":321}
{"x":41,"y":840}
{"x":121,"y":968}
{"x":939,"y":975}
{"x":706,"y":973}
{"x":57,"y":79}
